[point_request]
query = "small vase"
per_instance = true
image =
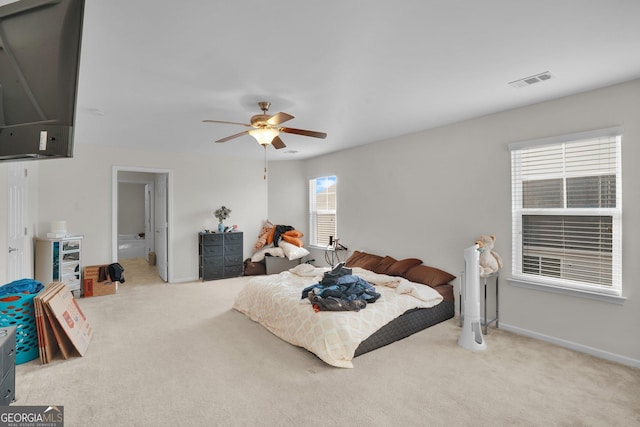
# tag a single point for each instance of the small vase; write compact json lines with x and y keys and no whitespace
{"x":221,"y":227}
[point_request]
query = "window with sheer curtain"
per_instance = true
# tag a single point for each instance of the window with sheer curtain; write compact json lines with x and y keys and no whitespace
{"x":566,"y":211}
{"x":322,"y":210}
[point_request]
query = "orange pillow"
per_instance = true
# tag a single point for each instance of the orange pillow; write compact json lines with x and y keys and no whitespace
{"x":270,"y":236}
{"x":293,"y":233}
{"x":292,"y":240}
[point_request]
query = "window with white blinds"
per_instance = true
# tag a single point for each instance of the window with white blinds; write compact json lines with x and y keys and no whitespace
{"x":322,"y":210}
{"x":566,"y":211}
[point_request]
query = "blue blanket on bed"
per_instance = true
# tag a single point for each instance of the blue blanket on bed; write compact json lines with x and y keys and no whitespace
{"x":349,"y":288}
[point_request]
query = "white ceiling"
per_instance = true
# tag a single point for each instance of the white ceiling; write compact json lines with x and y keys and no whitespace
{"x":362,"y":71}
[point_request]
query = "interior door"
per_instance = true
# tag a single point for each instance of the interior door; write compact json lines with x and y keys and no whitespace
{"x":17,"y":197}
{"x":161,"y":226}
{"x":148,"y":219}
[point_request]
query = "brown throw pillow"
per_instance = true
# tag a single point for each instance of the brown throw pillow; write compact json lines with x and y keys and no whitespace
{"x":363,"y":260}
{"x":384,"y":265}
{"x":369,"y":261}
{"x":428,"y":275}
{"x":398,"y":268}
{"x":353,"y":259}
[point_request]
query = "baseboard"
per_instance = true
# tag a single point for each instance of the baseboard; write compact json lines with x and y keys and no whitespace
{"x":624,"y":360}
{"x":185,"y":280}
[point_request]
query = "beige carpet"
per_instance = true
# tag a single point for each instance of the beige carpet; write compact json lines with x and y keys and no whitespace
{"x":178,"y":355}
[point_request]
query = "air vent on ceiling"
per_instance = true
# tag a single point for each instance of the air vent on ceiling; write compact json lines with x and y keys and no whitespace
{"x":528,"y":81}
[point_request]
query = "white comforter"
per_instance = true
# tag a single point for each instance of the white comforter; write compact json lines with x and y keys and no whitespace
{"x":275,"y":302}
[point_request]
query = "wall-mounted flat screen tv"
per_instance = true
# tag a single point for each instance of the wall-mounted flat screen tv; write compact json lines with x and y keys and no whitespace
{"x":39,"y":63}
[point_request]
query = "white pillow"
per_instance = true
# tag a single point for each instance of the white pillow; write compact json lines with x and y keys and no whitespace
{"x":302,"y":269}
{"x":308,"y":270}
{"x":292,"y":251}
{"x":259,"y":256}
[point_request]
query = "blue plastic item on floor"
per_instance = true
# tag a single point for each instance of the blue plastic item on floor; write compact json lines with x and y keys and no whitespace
{"x":17,"y":309}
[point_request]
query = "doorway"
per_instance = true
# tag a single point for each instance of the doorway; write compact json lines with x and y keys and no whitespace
{"x":150,"y":233}
{"x":19,"y":264}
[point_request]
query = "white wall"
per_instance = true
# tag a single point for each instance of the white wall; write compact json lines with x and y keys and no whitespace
{"x":288,"y":195}
{"x":131,"y":208}
{"x":79,"y":190}
{"x":429,"y":195}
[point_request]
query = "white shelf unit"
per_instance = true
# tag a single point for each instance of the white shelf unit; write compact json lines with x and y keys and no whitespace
{"x":60,"y":260}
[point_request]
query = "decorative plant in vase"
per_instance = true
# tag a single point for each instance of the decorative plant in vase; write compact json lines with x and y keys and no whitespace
{"x":222,"y":213}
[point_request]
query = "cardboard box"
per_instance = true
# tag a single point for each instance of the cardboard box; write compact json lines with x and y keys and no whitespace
{"x":64,"y":308}
{"x":96,"y":281}
{"x":51,"y":337}
{"x":62,"y":325}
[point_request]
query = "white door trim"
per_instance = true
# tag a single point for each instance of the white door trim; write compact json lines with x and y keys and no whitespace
{"x":19,"y":263}
{"x":149,"y":188}
{"x":161,"y":226}
{"x":114,"y":211}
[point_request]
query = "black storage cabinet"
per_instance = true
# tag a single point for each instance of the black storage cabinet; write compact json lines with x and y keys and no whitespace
{"x":220,"y":255}
{"x":7,"y":365}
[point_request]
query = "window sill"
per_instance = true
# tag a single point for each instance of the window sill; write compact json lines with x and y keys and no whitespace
{"x":613,"y":299}
{"x":326,"y":248}
{"x":320,"y":248}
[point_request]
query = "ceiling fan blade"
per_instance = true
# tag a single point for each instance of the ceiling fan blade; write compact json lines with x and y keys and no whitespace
{"x":276,"y":119}
{"x":277,"y":143}
{"x":246,"y":132}
{"x":229,"y":123}
{"x":304,"y":132}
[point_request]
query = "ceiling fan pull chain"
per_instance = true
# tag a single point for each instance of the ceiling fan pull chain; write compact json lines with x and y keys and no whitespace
{"x":265,"y":162}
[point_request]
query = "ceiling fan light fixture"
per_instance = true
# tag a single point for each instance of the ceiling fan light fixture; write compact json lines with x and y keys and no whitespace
{"x":264,"y":136}
{"x":266,"y":128}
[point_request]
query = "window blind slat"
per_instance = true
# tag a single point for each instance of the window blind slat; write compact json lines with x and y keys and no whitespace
{"x":322,"y":210}
{"x":566,"y":213}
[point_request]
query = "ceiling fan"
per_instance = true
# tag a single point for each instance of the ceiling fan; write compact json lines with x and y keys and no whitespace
{"x":266,"y":128}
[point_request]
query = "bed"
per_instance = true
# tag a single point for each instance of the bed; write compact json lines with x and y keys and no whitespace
{"x":413,"y":297}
